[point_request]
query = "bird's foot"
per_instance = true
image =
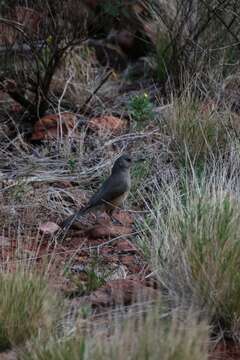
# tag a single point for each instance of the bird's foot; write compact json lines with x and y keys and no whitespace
{"x":116,"y":221}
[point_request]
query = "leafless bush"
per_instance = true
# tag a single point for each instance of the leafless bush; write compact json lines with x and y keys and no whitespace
{"x":33,"y":41}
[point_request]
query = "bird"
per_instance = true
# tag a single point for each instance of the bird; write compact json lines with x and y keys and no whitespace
{"x":111,"y":194}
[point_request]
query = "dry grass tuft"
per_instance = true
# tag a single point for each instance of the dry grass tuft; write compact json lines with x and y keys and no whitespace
{"x":197,"y":130}
{"x":27,"y":306}
{"x":193,"y":229}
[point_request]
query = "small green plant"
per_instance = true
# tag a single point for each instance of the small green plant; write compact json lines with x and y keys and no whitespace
{"x":88,"y":280}
{"x":141,"y":108}
{"x":72,"y":165}
{"x":92,"y":281}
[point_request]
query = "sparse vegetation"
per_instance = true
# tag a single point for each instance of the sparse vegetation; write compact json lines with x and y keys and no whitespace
{"x":163,"y":279}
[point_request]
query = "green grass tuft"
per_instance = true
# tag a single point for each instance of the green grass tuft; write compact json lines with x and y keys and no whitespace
{"x":26,"y":306}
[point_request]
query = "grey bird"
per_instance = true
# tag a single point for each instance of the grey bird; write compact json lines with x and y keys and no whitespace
{"x":111,"y":194}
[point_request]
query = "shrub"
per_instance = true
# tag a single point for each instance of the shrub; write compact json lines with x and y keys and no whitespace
{"x":35,"y":41}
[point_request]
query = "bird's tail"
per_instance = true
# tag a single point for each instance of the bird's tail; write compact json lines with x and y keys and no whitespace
{"x":67,"y":223}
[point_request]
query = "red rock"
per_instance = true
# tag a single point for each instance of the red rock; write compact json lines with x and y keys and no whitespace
{"x":54,"y":126}
{"x":121,"y":292}
{"x":108,"y":231}
{"x":109,"y":259}
{"x":132,"y":263}
{"x":106,"y":251}
{"x":62,"y":184}
{"x":124,"y":217}
{"x":127,"y":259}
{"x":125,"y":246}
{"x":106,"y":123}
{"x":49,"y":228}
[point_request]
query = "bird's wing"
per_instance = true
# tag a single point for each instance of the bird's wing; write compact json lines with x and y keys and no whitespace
{"x":111,"y":189}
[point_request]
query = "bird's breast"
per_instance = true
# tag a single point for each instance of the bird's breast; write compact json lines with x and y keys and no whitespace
{"x":118,"y":201}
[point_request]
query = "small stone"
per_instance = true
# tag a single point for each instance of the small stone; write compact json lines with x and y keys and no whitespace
{"x":105,"y":124}
{"x":49,"y":228}
{"x":108,"y":231}
{"x":122,"y":292}
{"x":125,"y":246}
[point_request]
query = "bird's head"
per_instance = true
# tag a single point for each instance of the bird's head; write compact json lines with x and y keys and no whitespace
{"x":124,"y":162}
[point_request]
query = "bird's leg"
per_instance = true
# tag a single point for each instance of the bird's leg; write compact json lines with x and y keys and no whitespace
{"x":113,"y":219}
